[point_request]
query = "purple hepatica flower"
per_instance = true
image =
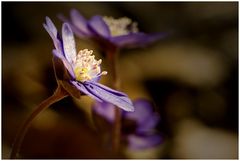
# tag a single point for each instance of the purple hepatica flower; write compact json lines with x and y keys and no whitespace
{"x":84,"y":70}
{"x":110,"y":32}
{"x":144,"y":134}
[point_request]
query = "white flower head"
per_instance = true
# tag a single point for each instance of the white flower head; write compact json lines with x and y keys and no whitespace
{"x":120,"y":26}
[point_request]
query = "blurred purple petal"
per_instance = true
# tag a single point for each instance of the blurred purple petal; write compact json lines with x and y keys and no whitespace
{"x":65,"y":62}
{"x":79,"y":22}
{"x":97,"y":29}
{"x":137,"y":142}
{"x":145,"y":135}
{"x":75,"y":29}
{"x":105,"y":110}
{"x":149,"y":124}
{"x":129,"y":40}
{"x":97,"y":24}
{"x":63,"y":18}
{"x":143,"y":110}
{"x":144,"y":115}
{"x":136,"y":39}
{"x":68,"y":43}
{"x":111,"y":96}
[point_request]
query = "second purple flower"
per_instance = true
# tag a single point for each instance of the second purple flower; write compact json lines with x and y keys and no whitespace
{"x":110,"y":32}
{"x":139,"y":127}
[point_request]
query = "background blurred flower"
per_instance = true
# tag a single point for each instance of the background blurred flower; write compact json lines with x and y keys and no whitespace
{"x":84,"y":70}
{"x":139,"y":127}
{"x":110,"y":32}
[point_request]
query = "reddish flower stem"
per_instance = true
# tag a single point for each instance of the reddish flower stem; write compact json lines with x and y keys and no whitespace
{"x":117,"y":130}
{"x":112,"y":60}
{"x":59,"y":94}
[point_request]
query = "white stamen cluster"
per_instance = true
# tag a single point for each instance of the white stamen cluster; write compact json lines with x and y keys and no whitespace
{"x":121,"y":26}
{"x":86,"y":67}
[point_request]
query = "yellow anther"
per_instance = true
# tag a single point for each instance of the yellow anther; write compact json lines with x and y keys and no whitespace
{"x":86,"y":67}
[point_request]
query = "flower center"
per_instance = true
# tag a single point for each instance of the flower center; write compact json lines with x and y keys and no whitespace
{"x":86,"y":67}
{"x":121,"y":26}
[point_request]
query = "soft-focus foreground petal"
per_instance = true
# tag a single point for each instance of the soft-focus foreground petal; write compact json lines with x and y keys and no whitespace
{"x":102,"y":92}
{"x":98,"y":26}
{"x":133,"y":40}
{"x":68,"y":43}
{"x":137,"y":142}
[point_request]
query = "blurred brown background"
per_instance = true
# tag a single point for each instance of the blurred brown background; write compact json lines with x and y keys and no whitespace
{"x":191,"y":76}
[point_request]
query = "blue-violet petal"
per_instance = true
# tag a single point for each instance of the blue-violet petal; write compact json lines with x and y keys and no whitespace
{"x":68,"y":43}
{"x":97,"y":24}
{"x":79,"y":22}
{"x":111,"y":96}
{"x":65,"y":62}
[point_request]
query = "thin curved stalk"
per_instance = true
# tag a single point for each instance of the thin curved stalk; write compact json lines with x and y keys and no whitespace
{"x":59,"y":94}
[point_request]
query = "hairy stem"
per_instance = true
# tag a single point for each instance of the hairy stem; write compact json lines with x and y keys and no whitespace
{"x":112,"y":59}
{"x":59,"y":94}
